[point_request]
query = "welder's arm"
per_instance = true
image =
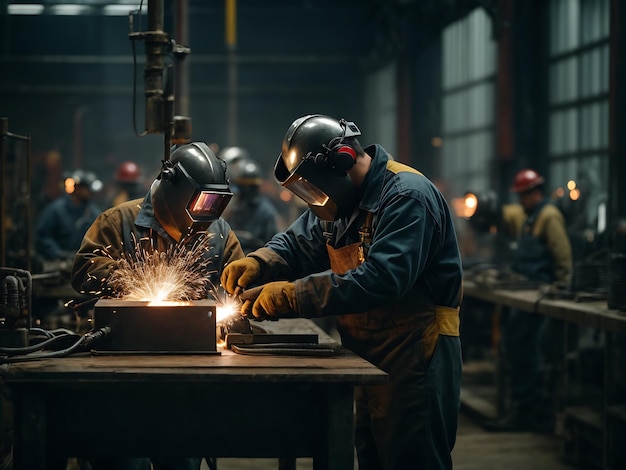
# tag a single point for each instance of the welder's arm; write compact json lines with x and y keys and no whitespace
{"x":259,"y":266}
{"x":97,"y":257}
{"x":232,"y":249}
{"x":271,"y":300}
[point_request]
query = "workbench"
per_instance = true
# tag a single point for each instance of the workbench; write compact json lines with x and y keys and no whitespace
{"x":602,"y":417}
{"x":213,"y":405}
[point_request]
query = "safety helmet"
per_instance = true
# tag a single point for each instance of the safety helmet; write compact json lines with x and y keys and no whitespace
{"x":84,"y":178}
{"x":231,"y":154}
{"x":314,"y":162}
{"x":191,"y":191}
{"x":245,"y":172}
{"x":525,"y":180}
{"x":128,"y":172}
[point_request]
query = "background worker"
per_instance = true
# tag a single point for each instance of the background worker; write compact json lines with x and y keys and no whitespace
{"x":64,"y":221}
{"x":58,"y":234}
{"x":251,"y":214}
{"x":544,"y":255}
{"x":128,"y":183}
{"x":183,"y":204}
{"x":377,"y":249}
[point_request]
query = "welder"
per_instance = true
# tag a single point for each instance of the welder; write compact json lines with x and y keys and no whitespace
{"x":184,"y":202}
{"x":251,"y":214}
{"x":377,"y":250}
{"x":543,"y":254}
{"x":128,"y":183}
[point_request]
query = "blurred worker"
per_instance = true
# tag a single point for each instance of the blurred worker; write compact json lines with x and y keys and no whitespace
{"x":183,"y":204}
{"x":377,"y":249}
{"x":543,"y":254}
{"x":251,"y":214}
{"x":64,"y":221}
{"x":128,"y":183}
{"x":232,"y":154}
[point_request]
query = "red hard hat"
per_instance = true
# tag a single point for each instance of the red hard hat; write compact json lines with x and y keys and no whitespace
{"x":128,"y":172}
{"x":525,"y":180}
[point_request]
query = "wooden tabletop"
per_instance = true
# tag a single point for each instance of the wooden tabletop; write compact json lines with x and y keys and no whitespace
{"x":594,"y":313}
{"x":342,"y":366}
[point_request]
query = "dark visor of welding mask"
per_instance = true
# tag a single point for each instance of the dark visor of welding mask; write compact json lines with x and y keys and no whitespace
{"x":208,"y":205}
{"x":306,"y":191}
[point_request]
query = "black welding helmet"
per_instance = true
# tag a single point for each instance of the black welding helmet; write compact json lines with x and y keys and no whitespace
{"x":191,"y":191}
{"x":313,"y":164}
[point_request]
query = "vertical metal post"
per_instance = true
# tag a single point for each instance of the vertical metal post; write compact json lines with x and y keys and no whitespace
{"x":181,"y":104}
{"x":155,"y":40}
{"x":617,"y":114}
{"x":4,"y":131}
{"x":28,"y":209}
{"x":231,"y":44}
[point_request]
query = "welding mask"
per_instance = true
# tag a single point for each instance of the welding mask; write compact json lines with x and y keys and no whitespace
{"x":314,"y":162}
{"x":191,"y":191}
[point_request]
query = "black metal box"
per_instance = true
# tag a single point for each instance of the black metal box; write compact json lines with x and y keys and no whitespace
{"x":138,"y":326}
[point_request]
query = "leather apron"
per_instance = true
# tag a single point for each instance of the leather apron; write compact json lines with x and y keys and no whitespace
{"x":410,"y":421}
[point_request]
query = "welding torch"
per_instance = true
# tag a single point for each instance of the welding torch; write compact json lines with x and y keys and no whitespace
{"x":246,"y":304}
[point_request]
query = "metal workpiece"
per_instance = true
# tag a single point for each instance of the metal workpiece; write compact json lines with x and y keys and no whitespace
{"x":165,"y":328}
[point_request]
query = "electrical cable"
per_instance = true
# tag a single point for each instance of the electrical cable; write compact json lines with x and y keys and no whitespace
{"x":46,"y":333}
{"x":83,"y":342}
{"x":34,"y":347}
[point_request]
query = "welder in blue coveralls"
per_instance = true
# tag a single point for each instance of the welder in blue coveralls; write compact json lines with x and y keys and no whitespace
{"x":377,"y":249}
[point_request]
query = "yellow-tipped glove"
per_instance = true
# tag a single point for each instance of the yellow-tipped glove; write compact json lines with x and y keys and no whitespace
{"x":240,"y":273}
{"x":272,"y":300}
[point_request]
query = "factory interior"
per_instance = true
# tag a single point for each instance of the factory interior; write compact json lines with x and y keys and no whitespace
{"x":488,"y":99}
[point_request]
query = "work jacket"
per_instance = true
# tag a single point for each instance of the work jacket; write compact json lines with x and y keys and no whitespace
{"x":394,"y":287}
{"x":61,"y":227}
{"x":544,"y":252}
{"x":413,"y":257}
{"x":115,"y":234}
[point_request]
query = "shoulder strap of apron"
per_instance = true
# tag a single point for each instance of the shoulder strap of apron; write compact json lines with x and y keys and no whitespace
{"x":366,"y":234}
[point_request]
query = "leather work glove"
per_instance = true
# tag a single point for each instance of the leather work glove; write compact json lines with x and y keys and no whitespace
{"x":270,"y":301}
{"x":239,"y":273}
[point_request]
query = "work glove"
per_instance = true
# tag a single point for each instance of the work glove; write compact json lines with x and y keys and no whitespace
{"x":238,"y":274}
{"x":270,"y":301}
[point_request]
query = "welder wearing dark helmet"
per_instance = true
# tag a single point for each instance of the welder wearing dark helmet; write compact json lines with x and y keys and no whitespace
{"x":377,"y":250}
{"x":183,"y":203}
{"x":185,"y":200}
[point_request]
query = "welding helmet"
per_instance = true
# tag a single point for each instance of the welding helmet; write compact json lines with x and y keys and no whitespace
{"x":191,"y":191}
{"x":313,"y":164}
{"x":526,"y":180}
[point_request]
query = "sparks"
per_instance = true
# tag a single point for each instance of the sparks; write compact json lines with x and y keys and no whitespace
{"x":181,"y":273}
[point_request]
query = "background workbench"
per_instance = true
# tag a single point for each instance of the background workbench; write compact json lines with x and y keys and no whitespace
{"x":592,"y":421}
{"x":220,"y":405}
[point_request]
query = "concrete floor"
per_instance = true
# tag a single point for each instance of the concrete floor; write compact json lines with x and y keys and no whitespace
{"x":475,"y":449}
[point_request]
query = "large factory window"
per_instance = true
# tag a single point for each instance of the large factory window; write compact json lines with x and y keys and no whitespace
{"x":468,"y":84}
{"x":381,"y":107}
{"x":578,"y":61}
